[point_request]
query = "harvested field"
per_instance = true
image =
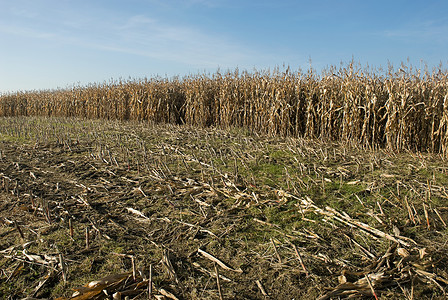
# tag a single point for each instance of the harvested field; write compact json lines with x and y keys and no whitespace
{"x":201,"y":213}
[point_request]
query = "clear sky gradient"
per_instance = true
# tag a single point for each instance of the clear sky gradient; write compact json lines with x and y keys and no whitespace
{"x":49,"y":44}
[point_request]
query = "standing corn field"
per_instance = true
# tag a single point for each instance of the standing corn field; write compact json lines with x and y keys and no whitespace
{"x":400,"y":110}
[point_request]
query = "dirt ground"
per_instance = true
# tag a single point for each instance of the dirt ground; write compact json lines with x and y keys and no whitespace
{"x":213,"y":214}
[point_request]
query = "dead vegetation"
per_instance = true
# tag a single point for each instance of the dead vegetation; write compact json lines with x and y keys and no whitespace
{"x":108,"y":210}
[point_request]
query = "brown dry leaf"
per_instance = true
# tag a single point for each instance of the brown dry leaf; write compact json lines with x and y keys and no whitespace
{"x":422,"y":252}
{"x":137,"y":212}
{"x":220,"y":263}
{"x":387,"y":175}
{"x":403,"y":252}
{"x":96,"y":287}
{"x":374,"y":278}
{"x":342,"y":279}
{"x":35,"y":258}
{"x":87,"y":296}
{"x":108,"y":280}
{"x":116,"y":296}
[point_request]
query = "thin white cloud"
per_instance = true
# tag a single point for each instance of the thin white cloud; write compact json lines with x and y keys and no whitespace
{"x":145,"y":35}
{"x":207,"y":3}
{"x":136,"y":22}
{"x":26,"y":32}
{"x":432,"y":30}
{"x":152,"y":38}
{"x":187,"y":3}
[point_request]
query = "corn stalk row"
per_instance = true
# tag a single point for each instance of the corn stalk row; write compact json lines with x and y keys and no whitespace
{"x":400,"y":110}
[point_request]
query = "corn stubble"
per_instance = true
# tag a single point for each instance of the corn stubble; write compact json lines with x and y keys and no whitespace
{"x":399,"y":110}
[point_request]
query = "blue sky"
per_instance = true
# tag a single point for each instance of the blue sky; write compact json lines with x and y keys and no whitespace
{"x":48,"y":44}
